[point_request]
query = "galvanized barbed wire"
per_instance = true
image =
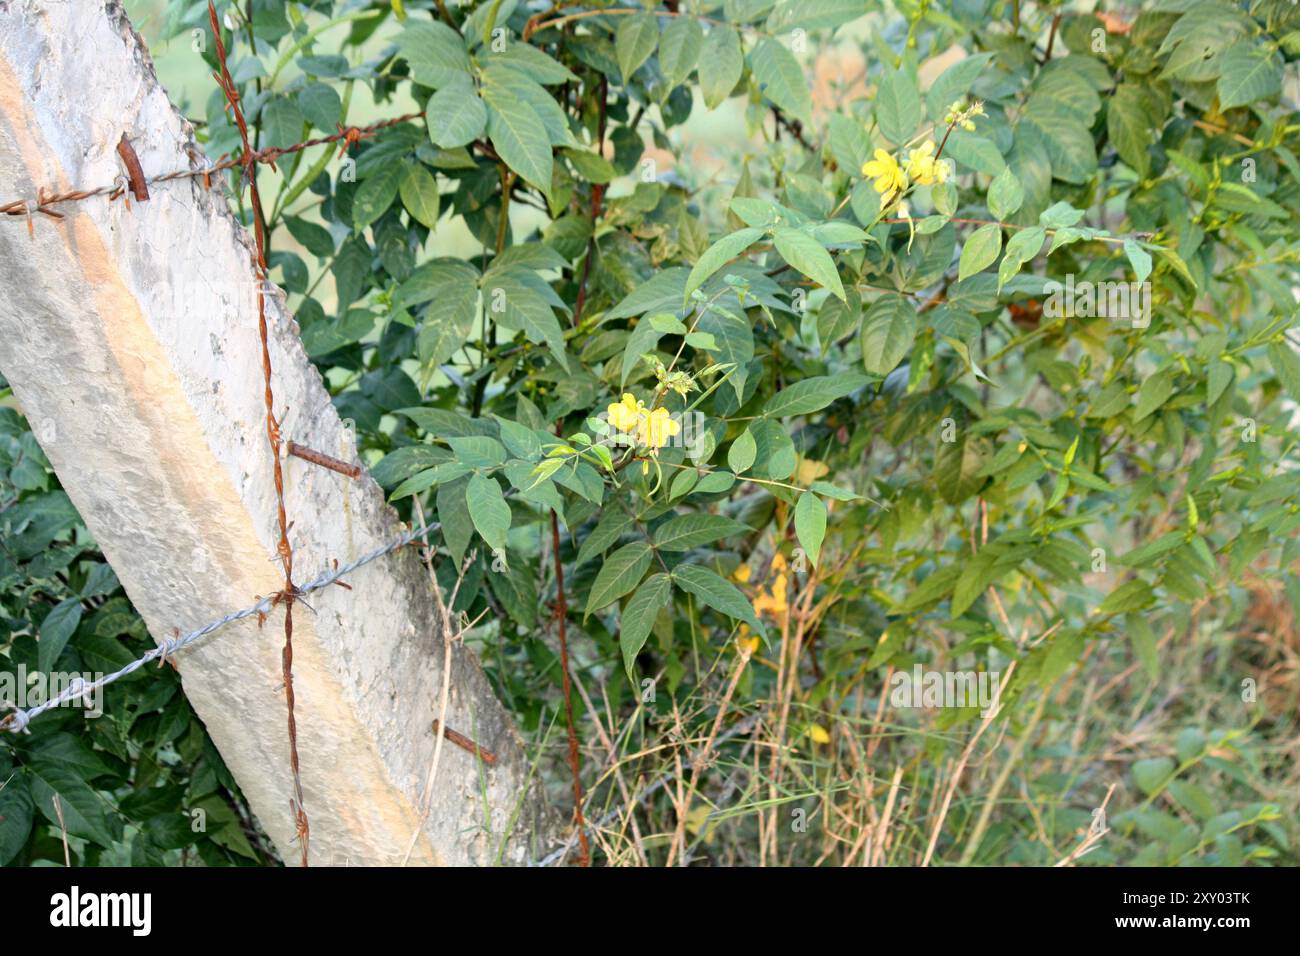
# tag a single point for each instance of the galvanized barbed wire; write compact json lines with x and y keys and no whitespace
{"x":17,"y":720}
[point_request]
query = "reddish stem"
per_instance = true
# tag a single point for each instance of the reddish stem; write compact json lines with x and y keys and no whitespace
{"x":575,"y":759}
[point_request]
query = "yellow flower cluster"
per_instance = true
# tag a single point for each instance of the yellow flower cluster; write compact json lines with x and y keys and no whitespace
{"x":924,"y":168}
{"x":652,"y":429}
{"x":884,"y":169}
{"x":771,"y":602}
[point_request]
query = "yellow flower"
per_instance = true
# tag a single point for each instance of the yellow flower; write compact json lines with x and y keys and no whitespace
{"x":809,"y":471}
{"x":818,"y":734}
{"x":656,"y":428}
{"x":742,"y":574}
{"x":924,"y":168}
{"x":746,"y":643}
{"x":624,"y":415}
{"x":773,"y":601}
{"x":884,"y":169}
{"x":653,"y":429}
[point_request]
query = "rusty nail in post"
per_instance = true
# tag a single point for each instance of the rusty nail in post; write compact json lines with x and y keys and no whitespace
{"x":463,"y":742}
{"x":138,"y":188}
{"x":325,"y":461}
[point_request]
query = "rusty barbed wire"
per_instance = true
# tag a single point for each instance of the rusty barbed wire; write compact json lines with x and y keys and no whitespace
{"x":139,"y":188}
{"x":464,"y":743}
{"x":283,"y":548}
{"x":323,"y":460}
{"x":347,"y":135}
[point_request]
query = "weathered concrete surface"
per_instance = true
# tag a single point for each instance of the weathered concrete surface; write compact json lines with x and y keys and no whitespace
{"x":130,"y":339}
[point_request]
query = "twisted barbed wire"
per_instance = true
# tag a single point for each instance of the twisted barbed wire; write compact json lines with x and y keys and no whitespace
{"x":17,"y":721}
{"x":269,"y":155}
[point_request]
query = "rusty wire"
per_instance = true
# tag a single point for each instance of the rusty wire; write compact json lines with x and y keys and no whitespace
{"x":464,"y":743}
{"x":323,"y":460}
{"x":247,"y":158}
{"x":575,"y":759}
{"x":283,"y":548}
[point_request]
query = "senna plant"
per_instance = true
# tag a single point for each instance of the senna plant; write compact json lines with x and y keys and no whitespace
{"x":787,"y":346}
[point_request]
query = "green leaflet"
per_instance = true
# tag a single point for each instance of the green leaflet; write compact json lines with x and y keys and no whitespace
{"x":957,"y":466}
{"x":515,"y":129}
{"x":689,"y":531}
{"x":281,"y":122}
{"x":888,"y":329}
{"x":1130,"y":126}
{"x":56,"y":630}
{"x":1131,"y":596}
{"x":721,"y":64}
{"x":519,"y":299}
{"x":638,"y":617}
{"x":488,"y":510}
{"x":1066,"y":135}
{"x":716,"y":592}
{"x":643,"y":339}
{"x":619,"y":574}
{"x":635,"y":41}
{"x":375,"y":194}
{"x":455,"y":115}
{"x":612,"y":525}
{"x":743,"y":451}
{"x":898,"y":106}
{"x":1005,"y":194}
{"x":1249,"y":73}
{"x":781,"y":78}
{"x":419,"y":192}
{"x":680,"y":47}
{"x":717,"y":255}
{"x":810,"y":524}
{"x":812,"y":394}
{"x":980,"y":250}
{"x":453,"y":514}
{"x":435,"y":52}
{"x":838,"y":318}
{"x":1021,"y":248}
{"x":450,"y":288}
{"x":807,"y":255}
